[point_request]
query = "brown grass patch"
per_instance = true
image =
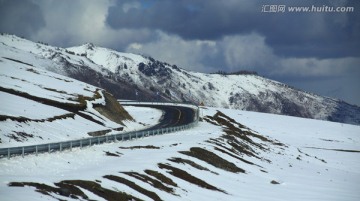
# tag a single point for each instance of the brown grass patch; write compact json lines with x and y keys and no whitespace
{"x":161,"y":177}
{"x":213,"y":159}
{"x":63,"y":189}
{"x":191,"y":163}
{"x":55,"y":90}
{"x":19,"y":136}
{"x":99,"y":133}
{"x":69,"y":189}
{"x":188,"y":177}
{"x":25,"y":119}
{"x":341,"y":150}
{"x":274,"y":182}
{"x":141,"y":147}
{"x":236,"y":157}
{"x":240,"y":138}
{"x":134,"y":186}
{"x":100,"y":191}
{"x":108,"y":153}
{"x":17,"y":61}
{"x":153,"y":182}
{"x":239,"y":130}
{"x":112,"y":110}
{"x":32,"y":70}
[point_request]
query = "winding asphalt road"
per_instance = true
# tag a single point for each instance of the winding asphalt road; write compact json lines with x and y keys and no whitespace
{"x":173,"y":116}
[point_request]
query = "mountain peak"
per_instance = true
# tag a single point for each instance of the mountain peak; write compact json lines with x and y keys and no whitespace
{"x":89,"y":46}
{"x":124,"y":73}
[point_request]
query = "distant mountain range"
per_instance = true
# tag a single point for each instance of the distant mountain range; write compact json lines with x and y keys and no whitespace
{"x":131,"y":76}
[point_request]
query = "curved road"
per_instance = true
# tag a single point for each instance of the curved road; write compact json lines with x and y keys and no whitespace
{"x":174,"y":116}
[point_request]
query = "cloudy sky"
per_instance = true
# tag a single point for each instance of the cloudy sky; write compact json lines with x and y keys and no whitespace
{"x":314,"y":51}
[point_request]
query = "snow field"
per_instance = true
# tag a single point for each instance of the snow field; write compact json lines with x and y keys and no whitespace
{"x":306,"y":179}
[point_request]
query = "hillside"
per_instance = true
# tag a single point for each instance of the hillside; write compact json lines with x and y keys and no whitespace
{"x":123,"y":74}
{"x":38,"y":106}
{"x":230,"y":155}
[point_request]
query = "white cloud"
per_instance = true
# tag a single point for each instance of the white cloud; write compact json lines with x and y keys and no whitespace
{"x":76,"y":22}
{"x":135,"y":46}
{"x":234,"y":52}
{"x":246,"y":51}
{"x":175,"y":50}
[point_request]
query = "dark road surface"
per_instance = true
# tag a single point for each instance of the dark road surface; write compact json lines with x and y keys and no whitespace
{"x":172,"y":116}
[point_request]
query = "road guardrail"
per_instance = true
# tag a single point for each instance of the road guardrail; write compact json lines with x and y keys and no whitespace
{"x":84,"y":142}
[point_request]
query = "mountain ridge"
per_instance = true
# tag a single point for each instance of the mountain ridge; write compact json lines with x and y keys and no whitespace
{"x":131,"y":76}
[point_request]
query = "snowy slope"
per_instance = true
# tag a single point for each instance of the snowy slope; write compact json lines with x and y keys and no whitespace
{"x":262,"y":158}
{"x":38,"y":106}
{"x":124,"y":73}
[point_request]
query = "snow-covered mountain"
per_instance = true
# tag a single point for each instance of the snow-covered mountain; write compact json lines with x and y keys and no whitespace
{"x":131,"y":76}
{"x":39,"y":106}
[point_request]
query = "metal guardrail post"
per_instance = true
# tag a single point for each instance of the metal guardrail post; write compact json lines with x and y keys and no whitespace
{"x":60,"y":146}
{"x":8,"y":153}
{"x":49,"y":149}
{"x":70,"y":145}
{"x":36,"y":150}
{"x":22,"y":154}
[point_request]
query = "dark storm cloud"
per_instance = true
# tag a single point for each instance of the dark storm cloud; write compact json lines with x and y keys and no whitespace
{"x":321,"y":35}
{"x":20,"y":17}
{"x":189,"y":19}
